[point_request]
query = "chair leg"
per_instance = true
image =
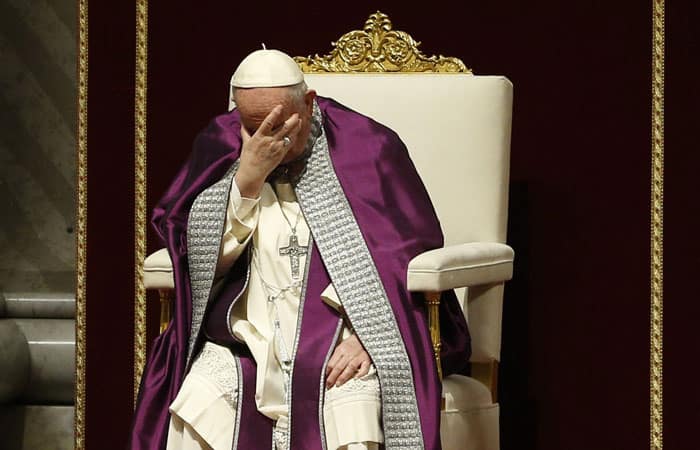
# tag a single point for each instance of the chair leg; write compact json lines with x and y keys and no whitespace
{"x":433,"y":302}
{"x":166,"y":295}
{"x":432,"y":299}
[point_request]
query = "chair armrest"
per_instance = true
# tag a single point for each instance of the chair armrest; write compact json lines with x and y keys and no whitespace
{"x":461,"y":265}
{"x":444,"y":268}
{"x":158,"y":270}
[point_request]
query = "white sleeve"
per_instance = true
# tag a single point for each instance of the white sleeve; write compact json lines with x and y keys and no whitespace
{"x":242,"y":216}
{"x":330,"y":297}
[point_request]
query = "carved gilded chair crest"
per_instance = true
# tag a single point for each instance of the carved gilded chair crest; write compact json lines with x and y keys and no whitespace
{"x":379,"y":48}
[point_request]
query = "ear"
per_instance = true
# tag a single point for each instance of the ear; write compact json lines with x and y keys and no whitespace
{"x":309,"y":100}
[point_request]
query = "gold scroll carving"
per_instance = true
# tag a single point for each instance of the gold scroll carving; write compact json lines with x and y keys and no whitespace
{"x":379,"y":48}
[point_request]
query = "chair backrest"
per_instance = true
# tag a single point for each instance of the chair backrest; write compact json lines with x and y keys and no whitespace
{"x":457,"y":130}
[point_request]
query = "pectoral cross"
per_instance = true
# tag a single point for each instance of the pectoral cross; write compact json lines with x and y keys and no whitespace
{"x":294,"y":251}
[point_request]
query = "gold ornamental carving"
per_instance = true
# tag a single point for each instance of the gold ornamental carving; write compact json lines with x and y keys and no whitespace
{"x":379,"y":48}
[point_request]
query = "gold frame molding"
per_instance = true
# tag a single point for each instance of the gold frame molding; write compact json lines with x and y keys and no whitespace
{"x":657,"y":224}
{"x":140,"y":191}
{"x":656,"y":219}
{"x":81,"y":220}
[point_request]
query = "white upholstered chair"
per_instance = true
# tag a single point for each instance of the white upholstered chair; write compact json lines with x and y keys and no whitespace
{"x":457,"y":129}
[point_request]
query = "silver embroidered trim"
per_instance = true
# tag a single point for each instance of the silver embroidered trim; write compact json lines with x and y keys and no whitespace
{"x":220,"y":369}
{"x":300,"y":316}
{"x":237,"y":429}
{"x":204,"y":229}
{"x":322,"y":384}
{"x":354,"y":275}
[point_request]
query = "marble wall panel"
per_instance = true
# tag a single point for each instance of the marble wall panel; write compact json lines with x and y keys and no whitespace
{"x":37,"y":144}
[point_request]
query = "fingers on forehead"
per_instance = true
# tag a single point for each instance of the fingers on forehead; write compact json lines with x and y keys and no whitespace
{"x":275,"y":121}
{"x":287,"y":126}
{"x":271,"y":118}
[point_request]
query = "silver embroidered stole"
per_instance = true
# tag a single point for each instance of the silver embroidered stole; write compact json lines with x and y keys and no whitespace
{"x":351,"y":269}
{"x":356,"y":280}
{"x":205,"y":227}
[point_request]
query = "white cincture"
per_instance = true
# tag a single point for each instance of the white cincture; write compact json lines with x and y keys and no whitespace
{"x":273,"y":294}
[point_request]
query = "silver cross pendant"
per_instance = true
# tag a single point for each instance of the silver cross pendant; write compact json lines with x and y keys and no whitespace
{"x":294,"y":251}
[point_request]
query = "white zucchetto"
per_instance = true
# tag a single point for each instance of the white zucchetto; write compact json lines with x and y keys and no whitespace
{"x":267,"y":68}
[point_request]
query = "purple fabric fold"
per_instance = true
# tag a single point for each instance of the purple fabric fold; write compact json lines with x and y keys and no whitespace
{"x":318,"y":326}
{"x":214,"y":150}
{"x":398,"y":222}
{"x":256,"y":428}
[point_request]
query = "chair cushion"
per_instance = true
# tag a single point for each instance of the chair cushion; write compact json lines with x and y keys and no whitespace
{"x":471,"y":430}
{"x":470,"y":418}
{"x":465,"y":394}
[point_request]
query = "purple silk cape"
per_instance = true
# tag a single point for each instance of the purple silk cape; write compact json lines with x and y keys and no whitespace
{"x":397,"y":221}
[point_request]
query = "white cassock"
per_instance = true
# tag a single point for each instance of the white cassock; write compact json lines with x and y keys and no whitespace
{"x":203,"y":414}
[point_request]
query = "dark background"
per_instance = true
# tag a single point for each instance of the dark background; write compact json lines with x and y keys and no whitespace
{"x":575,"y":364}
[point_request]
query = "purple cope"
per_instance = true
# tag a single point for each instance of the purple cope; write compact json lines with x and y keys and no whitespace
{"x":398,"y":222}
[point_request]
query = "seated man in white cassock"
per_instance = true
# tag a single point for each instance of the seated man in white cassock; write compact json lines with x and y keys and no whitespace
{"x":300,"y":217}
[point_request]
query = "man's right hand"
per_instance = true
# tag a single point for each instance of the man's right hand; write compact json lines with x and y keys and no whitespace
{"x":264,"y":150}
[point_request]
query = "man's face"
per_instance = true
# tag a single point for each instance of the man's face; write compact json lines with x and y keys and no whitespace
{"x":255,"y":104}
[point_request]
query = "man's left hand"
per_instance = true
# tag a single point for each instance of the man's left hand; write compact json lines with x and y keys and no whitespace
{"x":349,"y":359}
